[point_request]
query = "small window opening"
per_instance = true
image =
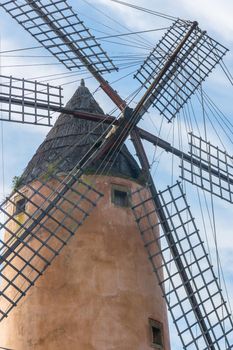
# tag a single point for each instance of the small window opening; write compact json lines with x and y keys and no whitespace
{"x":20,"y":206}
{"x":156,"y":334}
{"x":120,"y":196}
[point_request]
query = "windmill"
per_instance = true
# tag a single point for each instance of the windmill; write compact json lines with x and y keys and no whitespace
{"x":187,"y":56}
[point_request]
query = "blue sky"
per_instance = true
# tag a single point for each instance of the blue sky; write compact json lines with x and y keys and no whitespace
{"x":19,"y":142}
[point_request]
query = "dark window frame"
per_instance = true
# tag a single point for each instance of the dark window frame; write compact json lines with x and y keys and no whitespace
{"x":156,"y":334}
{"x":116,"y":191}
{"x":20,"y":206}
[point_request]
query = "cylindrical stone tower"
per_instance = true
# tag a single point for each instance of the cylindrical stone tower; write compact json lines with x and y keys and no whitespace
{"x":100,"y":293}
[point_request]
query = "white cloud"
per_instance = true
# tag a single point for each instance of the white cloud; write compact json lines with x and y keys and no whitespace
{"x":214,"y":14}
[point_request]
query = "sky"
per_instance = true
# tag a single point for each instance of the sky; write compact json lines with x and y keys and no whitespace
{"x":19,"y":142}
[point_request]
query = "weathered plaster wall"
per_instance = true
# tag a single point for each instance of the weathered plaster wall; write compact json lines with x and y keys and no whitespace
{"x":97,"y":295}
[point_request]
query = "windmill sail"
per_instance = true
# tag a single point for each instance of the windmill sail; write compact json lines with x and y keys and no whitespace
{"x":209,"y":168}
{"x":27,"y":101}
{"x":56,"y":204}
{"x":195,"y":61}
{"x":39,"y":220}
{"x":50,"y":201}
{"x":57,"y":27}
{"x":196,"y":304}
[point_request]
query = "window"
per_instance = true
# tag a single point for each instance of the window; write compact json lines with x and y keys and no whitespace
{"x":120,"y":196}
{"x":156,"y":334}
{"x":20,"y":206}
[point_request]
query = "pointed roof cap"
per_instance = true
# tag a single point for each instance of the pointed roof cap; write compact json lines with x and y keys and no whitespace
{"x":69,"y":131}
{"x":83,"y":100}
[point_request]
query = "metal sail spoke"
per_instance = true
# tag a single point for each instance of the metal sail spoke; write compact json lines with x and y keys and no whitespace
{"x":57,"y":27}
{"x":189,"y":69}
{"x":209,"y":168}
{"x":23,"y":101}
{"x":182,"y":266}
{"x":38,"y":219}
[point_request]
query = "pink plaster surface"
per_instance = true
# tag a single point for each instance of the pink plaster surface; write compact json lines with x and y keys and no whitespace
{"x":98,"y":294}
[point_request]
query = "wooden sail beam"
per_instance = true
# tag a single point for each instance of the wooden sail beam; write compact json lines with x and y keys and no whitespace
{"x":126,"y":125}
{"x":114,"y":96}
{"x":155,"y":140}
{"x":171,"y":242}
{"x":133,"y":116}
{"x":112,"y":120}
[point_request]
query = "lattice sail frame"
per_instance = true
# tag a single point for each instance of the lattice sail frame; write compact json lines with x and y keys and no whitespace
{"x":196,"y":265}
{"x":60,"y":209}
{"x":57,"y":204}
{"x":24,"y":101}
{"x":195,"y":61}
{"x":215,"y":175}
{"x":56,"y":26}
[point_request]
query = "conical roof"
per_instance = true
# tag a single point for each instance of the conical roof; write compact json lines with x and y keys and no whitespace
{"x":68,"y":131}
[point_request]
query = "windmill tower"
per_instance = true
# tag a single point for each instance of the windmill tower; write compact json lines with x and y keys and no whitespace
{"x":101,"y":292}
{"x":57,"y":193}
